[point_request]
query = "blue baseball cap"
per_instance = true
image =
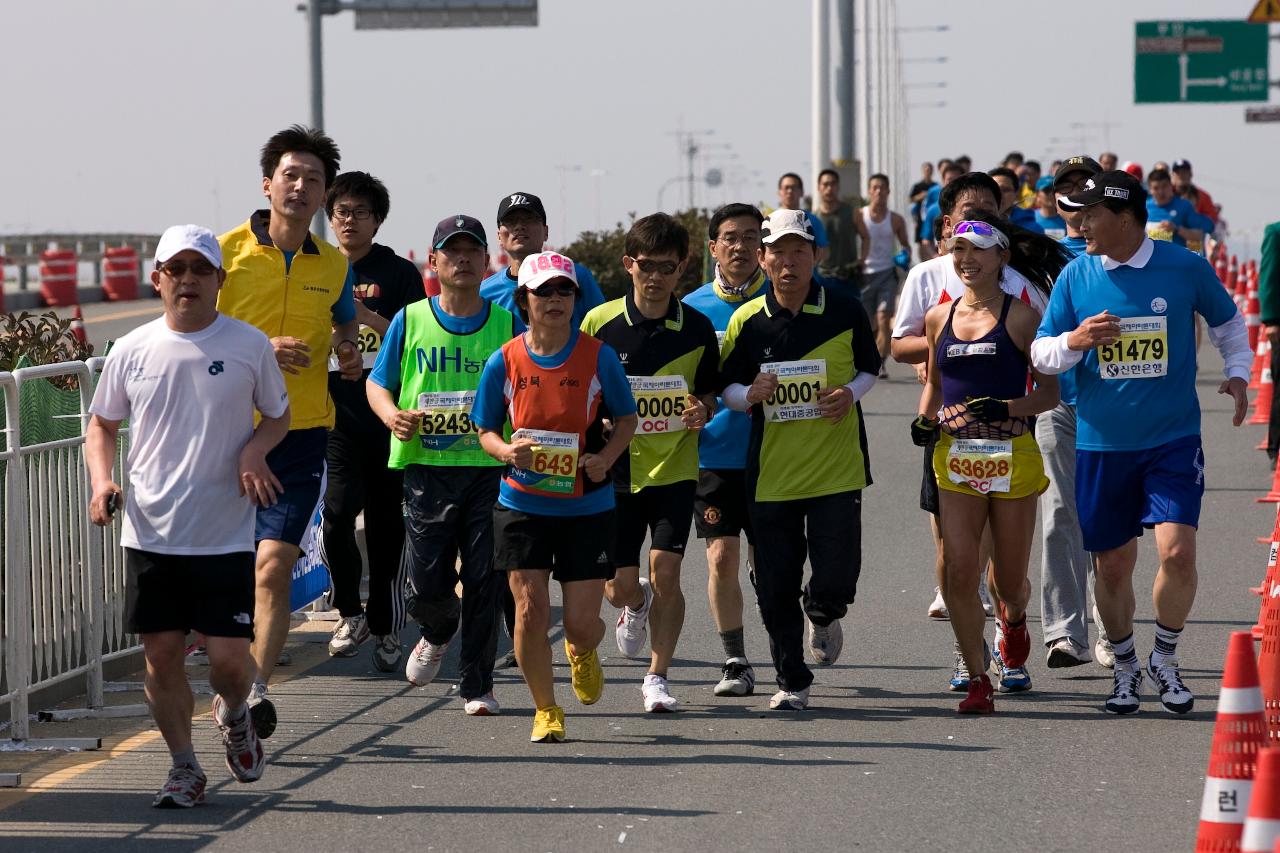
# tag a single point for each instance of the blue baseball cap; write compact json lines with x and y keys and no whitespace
{"x":1045,"y":183}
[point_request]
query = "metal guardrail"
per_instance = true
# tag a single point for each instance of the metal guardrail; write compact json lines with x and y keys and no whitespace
{"x":64,"y":581}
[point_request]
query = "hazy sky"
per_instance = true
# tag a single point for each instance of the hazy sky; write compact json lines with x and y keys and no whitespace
{"x":135,"y":114}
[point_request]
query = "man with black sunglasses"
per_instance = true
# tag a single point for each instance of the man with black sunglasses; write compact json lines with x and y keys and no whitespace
{"x":422,"y":387}
{"x":190,"y":384}
{"x":671,"y":357}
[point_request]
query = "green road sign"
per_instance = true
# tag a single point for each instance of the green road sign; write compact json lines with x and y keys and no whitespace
{"x":1179,"y":62}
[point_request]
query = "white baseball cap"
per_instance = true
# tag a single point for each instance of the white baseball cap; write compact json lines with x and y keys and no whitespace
{"x":538,"y":269}
{"x":179,"y":238}
{"x":783,"y":222}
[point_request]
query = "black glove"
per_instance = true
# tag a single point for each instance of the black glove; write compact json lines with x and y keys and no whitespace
{"x":923,"y":431}
{"x":988,"y":409}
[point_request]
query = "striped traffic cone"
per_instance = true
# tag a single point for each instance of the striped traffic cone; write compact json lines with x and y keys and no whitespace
{"x":77,"y":326}
{"x":1239,"y":733}
{"x":1262,"y":825}
{"x":1266,"y":389}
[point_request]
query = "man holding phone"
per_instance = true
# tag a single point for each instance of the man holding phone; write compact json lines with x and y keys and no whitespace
{"x":190,"y":384}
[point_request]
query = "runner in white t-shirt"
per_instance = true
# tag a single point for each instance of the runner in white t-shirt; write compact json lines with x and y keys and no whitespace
{"x":190,"y":384}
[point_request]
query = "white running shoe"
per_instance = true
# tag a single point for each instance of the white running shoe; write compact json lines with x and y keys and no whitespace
{"x":1064,"y":652}
{"x":633,"y":625}
{"x":737,"y":678}
{"x":825,"y":643}
{"x":1174,"y":695}
{"x":657,"y":698}
{"x":1126,"y":689}
{"x":1103,"y":653}
{"x":347,"y":637}
{"x":985,"y":595}
{"x":424,"y":662}
{"x":386,"y":653}
{"x":482,"y":706}
{"x":789,"y":700}
{"x":938,"y":610}
{"x":262,"y":710}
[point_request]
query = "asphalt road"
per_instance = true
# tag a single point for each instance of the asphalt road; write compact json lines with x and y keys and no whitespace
{"x":880,"y":762}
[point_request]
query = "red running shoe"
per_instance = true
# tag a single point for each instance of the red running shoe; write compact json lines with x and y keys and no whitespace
{"x":980,"y":699}
{"x":1015,"y":642}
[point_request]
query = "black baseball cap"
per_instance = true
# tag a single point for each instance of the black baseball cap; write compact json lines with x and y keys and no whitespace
{"x":1116,"y":189}
{"x":1079,"y":163}
{"x":522,"y":201}
{"x":1178,"y":165}
{"x":459,"y":224}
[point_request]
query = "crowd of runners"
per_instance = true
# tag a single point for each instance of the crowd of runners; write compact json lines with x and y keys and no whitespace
{"x":517,"y":428}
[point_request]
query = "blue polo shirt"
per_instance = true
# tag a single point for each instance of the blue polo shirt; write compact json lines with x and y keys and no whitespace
{"x":1181,"y":213}
{"x":723,"y":443}
{"x":1152,"y":399}
{"x":1052,"y":226}
{"x":501,"y":288}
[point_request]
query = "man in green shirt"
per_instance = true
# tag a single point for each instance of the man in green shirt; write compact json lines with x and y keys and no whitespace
{"x":670,"y":354}
{"x":422,"y":387}
{"x":798,"y":359}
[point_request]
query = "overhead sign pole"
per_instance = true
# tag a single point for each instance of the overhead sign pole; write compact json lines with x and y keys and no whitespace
{"x":403,"y":15}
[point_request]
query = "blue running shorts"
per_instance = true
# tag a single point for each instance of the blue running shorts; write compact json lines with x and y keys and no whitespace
{"x":298,"y":463}
{"x":1120,"y":492}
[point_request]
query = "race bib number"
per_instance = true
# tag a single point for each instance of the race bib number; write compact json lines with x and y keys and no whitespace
{"x":983,"y":465}
{"x":1160,"y":230}
{"x":446,"y":421}
{"x":659,"y":403}
{"x":796,"y":397}
{"x":555,"y":461}
{"x":1142,"y":351}
{"x":369,"y":342}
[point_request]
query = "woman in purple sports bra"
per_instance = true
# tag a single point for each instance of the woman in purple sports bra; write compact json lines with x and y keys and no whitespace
{"x":986,"y":460}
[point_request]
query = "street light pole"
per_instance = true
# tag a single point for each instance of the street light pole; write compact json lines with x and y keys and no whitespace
{"x":821,"y":91}
{"x":315,"y":33}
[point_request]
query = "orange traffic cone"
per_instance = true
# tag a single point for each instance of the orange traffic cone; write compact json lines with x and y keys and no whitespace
{"x":1269,"y":661}
{"x":1253,"y":313}
{"x":77,"y":326}
{"x":1238,"y":735}
{"x":1262,"y":825}
{"x":1266,"y":388}
{"x":1261,"y":360}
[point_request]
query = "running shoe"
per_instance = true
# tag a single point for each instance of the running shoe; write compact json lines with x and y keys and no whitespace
{"x":197,"y":655}
{"x":1064,"y":652}
{"x":548,"y":725}
{"x":1014,"y":644}
{"x":1174,"y":695}
{"x":657,"y":698}
{"x":586,"y":675}
{"x":424,"y":662}
{"x":347,"y":637}
{"x":245,"y":756}
{"x":482,"y":706}
{"x":1012,"y":679}
{"x":284,"y":658}
{"x":183,"y":789}
{"x":980,"y":699}
{"x":737,"y":678}
{"x":387,"y":653}
{"x":1103,"y":653}
{"x":985,"y":595}
{"x":262,"y":710}
{"x":633,"y":625}
{"x":825,"y":643}
{"x":789,"y":700}
{"x":508,"y":661}
{"x":1125,"y":691}
{"x":938,"y":610}
{"x":960,"y":675}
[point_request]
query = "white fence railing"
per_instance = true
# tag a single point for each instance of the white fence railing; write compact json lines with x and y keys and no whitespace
{"x":64,"y":581}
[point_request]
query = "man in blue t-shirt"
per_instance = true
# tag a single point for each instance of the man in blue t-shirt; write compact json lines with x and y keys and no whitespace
{"x":1124,"y":316}
{"x":720,"y":503}
{"x":522,"y":231}
{"x":1171,"y":217}
{"x":932,"y":210}
{"x":1048,"y":219}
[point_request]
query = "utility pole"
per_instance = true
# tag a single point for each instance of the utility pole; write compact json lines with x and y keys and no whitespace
{"x":315,"y":33}
{"x":821,"y":92}
{"x":863,"y":85}
{"x":845,"y":150}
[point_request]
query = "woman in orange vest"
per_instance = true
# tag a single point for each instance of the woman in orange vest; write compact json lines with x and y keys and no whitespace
{"x":552,"y":387}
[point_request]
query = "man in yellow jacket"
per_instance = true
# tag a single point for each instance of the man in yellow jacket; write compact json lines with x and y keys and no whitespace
{"x":298,"y":290}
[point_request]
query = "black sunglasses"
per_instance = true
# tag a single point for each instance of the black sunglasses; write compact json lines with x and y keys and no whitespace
{"x":552,"y":288}
{"x":177,"y":269}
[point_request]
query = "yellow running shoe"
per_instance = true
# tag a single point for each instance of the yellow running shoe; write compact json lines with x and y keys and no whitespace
{"x":587,"y":676}
{"x":548,"y":725}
